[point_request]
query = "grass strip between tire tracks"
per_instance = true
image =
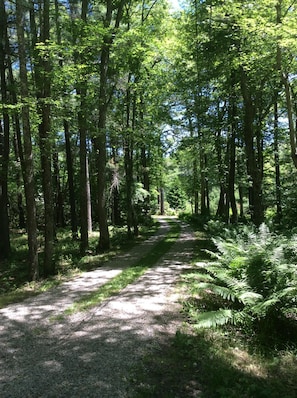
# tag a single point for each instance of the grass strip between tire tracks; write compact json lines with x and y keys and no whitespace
{"x":127,"y":276}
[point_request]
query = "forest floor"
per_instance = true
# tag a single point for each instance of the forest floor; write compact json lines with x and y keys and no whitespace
{"x":104,"y":351}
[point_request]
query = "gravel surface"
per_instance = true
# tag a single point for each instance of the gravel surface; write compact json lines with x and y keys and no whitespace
{"x":92,"y":353}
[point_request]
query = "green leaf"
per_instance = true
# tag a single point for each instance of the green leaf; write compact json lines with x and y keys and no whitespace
{"x":214,"y":318}
{"x":249,"y":297}
{"x":225,"y":292}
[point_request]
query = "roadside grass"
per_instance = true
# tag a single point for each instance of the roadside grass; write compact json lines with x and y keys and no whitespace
{"x":14,"y":285}
{"x":214,"y":363}
{"x":128,"y":275}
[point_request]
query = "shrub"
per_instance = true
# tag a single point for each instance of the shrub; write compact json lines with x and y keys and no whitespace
{"x":255,"y":276}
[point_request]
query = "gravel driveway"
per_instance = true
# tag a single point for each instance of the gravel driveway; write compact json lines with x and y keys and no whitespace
{"x":91,"y":354}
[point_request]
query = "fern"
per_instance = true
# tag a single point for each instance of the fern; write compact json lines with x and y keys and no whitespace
{"x":254,"y":277}
{"x":222,"y":291}
{"x":212,"y":319}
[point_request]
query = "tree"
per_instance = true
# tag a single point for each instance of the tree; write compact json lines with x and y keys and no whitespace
{"x":4,"y":137}
{"x":43,"y":85}
{"x":27,"y":158}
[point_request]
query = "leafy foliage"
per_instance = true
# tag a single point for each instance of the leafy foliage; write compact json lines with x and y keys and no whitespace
{"x":255,"y":278}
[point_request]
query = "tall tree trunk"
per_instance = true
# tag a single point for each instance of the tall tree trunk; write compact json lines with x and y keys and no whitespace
{"x":100,"y":149}
{"x":128,"y":160}
{"x":43,"y":84}
{"x":82,"y":127}
{"x":144,"y":157}
{"x":116,"y":212}
{"x":67,"y":135}
{"x":288,"y":92}
{"x":27,"y":163}
{"x":162,"y":201}
{"x":195,"y":191}
{"x":278,"y":197}
{"x":59,"y":199}
{"x":103,"y":102}
{"x":89,"y":202}
{"x":223,"y":205}
{"x":4,"y":138}
{"x":4,"y":156}
{"x":70,"y":173}
{"x":254,"y":161}
{"x":100,"y":139}
{"x":18,"y":146}
{"x":292,"y":130}
{"x":232,"y":160}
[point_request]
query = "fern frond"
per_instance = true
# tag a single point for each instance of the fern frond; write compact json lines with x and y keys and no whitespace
{"x":263,"y":307}
{"x":212,"y":253}
{"x":222,"y":291}
{"x":212,"y":319}
{"x":290,"y":292}
{"x":248,"y":298}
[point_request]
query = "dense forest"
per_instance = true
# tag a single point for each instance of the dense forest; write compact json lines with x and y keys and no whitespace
{"x":113,"y":111}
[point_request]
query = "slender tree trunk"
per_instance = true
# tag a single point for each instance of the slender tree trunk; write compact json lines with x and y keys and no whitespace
{"x":59,"y":199}
{"x":128,"y":160}
{"x":89,"y":203}
{"x":162,"y":201}
{"x":27,"y":163}
{"x":4,"y":138}
{"x":100,"y":139}
{"x":254,"y":163}
{"x":232,"y":162}
{"x":278,"y":197}
{"x":43,"y":84}
{"x":144,"y":156}
{"x":223,"y":205}
{"x":292,"y":131}
{"x":288,"y":92}
{"x":195,"y":168}
{"x":103,"y":101}
{"x":240,"y":193}
{"x":18,"y":146}
{"x":82,"y":127}
{"x":67,"y":135}
{"x":116,"y":213}
{"x":69,"y":162}
{"x":4,"y":156}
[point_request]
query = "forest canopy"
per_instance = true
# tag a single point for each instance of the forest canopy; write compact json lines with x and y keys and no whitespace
{"x":113,"y":111}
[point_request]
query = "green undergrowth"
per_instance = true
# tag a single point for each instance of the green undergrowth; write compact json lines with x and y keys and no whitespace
{"x":224,"y":362}
{"x":213,"y":364}
{"x":128,"y":275}
{"x":14,"y":285}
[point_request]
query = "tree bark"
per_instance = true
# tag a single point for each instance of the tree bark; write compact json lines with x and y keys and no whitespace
{"x":100,"y":148}
{"x":82,"y":128}
{"x":116,"y":211}
{"x":4,"y":138}
{"x":89,"y":202}
{"x":69,"y":162}
{"x":27,"y":163}
{"x":278,"y":196}
{"x":254,"y":160}
{"x":292,"y":131}
{"x":232,"y":160}
{"x":43,"y":84}
{"x":59,"y":199}
{"x":100,"y":139}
